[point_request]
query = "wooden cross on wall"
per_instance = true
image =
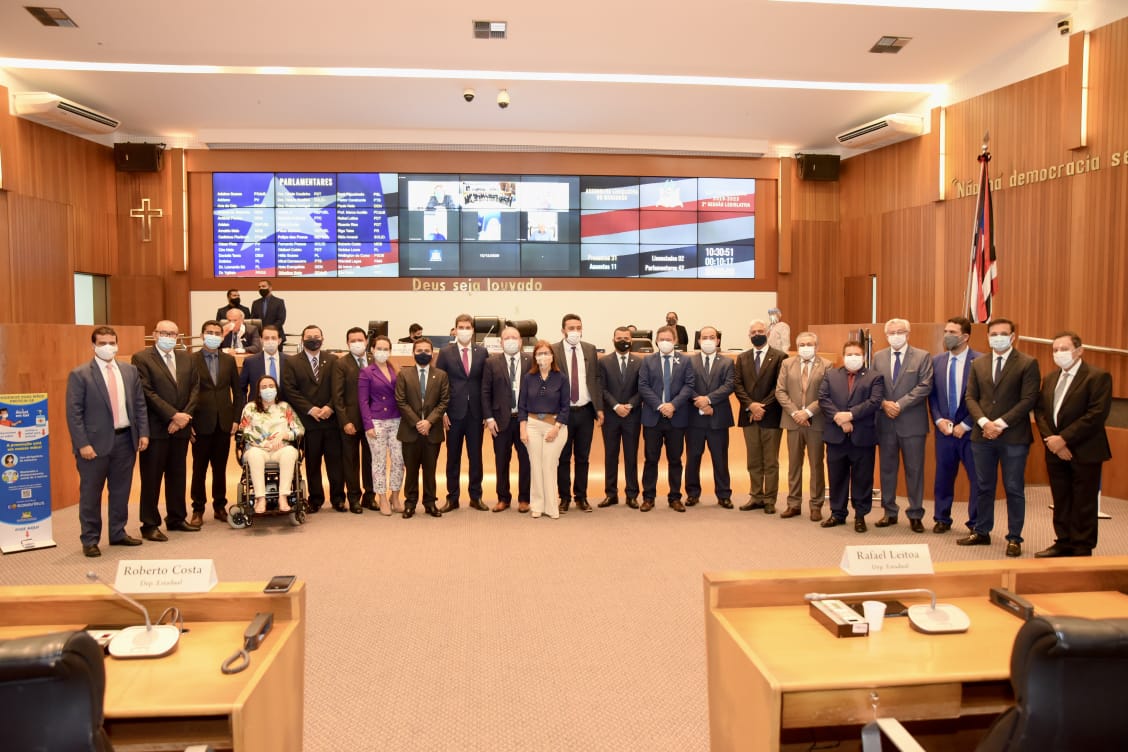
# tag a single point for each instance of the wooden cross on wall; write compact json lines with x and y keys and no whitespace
{"x":146,"y":214}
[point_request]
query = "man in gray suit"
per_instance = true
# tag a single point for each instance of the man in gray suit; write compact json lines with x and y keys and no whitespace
{"x":108,"y":424}
{"x":797,"y":392}
{"x":710,"y":419}
{"x":902,"y":423}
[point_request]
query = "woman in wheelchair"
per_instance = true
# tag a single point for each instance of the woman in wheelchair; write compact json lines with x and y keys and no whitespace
{"x":270,"y":432}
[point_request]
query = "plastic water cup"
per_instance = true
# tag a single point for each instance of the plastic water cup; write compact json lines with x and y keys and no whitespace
{"x":874,"y":612}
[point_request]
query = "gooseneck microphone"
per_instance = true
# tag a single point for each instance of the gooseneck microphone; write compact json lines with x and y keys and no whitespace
{"x":149,"y":641}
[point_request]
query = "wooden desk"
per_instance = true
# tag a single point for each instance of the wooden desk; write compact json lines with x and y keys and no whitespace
{"x":773,"y":669}
{"x":183,"y":698}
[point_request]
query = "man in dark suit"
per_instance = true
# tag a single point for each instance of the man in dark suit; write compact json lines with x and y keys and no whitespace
{"x":710,"y":418}
{"x":356,"y":456}
{"x":269,"y":309}
{"x":950,"y":370}
{"x":666,"y":386}
{"x":233,"y":301}
{"x":1071,"y":413}
{"x":171,"y":387}
{"x":239,"y":336}
{"x":902,"y":423}
{"x":501,"y":384}
{"x":757,"y":371}
{"x":850,"y":398}
{"x":622,"y":418}
{"x":267,"y":363}
{"x":579,"y":362}
{"x":218,"y":409}
{"x":108,"y":425}
{"x":308,"y":383}
{"x":1001,"y":391}
{"x":463,"y":362}
{"x":414,"y":332}
{"x":422,"y":395}
{"x":681,"y":341}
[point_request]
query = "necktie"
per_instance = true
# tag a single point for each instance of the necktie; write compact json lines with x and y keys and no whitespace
{"x":623,"y":365}
{"x":273,"y":368}
{"x":953,"y":395}
{"x":513,"y":377}
{"x":316,"y":366}
{"x":423,"y":383}
{"x":998,"y":368}
{"x":360,"y":363}
{"x":896,"y":366}
{"x":466,"y":360}
{"x":665,"y":378}
{"x":171,"y":365}
{"x":806,"y":378}
{"x":708,"y":363}
{"x":574,"y":391}
{"x":265,"y":303}
{"x":111,"y":382}
{"x":1059,"y":392}
{"x":213,"y":367}
{"x":850,"y":383}
{"x":757,"y":362}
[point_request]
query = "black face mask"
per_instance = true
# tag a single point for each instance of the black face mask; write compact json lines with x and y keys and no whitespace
{"x":623,"y":345}
{"x":759,"y":340}
{"x":671,"y":322}
{"x":263,"y":293}
{"x":423,"y":358}
{"x":312,"y":344}
{"x":235,"y":302}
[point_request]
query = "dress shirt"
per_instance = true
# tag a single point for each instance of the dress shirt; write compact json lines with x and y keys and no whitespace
{"x":581,"y":372}
{"x":961,"y":361}
{"x":544,"y":396}
{"x":276,"y":372}
{"x":1072,"y":373}
{"x":994,"y":364}
{"x":123,"y":416}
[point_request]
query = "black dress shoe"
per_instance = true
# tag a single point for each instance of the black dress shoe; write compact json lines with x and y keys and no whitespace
{"x":832,"y":522}
{"x":677,"y":505}
{"x":183,"y":527}
{"x":449,"y":507}
{"x":582,"y":505}
{"x":408,"y":512}
{"x":355,"y":508}
{"x":478,"y":505}
{"x":941,"y":527}
{"x":692,"y":501}
{"x":1052,"y":552}
{"x":859,"y":524}
{"x":647,"y":505}
{"x":885,"y":522}
{"x":975,"y":539}
{"x":916,"y":526}
{"x":632,"y":502}
{"x":339,"y":506}
{"x":724,"y":503}
{"x":91,"y":550}
{"x":1014,"y":548}
{"x":435,"y":512}
{"x":370,"y":505}
{"x":126,"y":540}
{"x":608,"y":501}
{"x":313,"y":509}
{"x":564,"y":505}
{"x":751,"y":505}
{"x":154,"y":535}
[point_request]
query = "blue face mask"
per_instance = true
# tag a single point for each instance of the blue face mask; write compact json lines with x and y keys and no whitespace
{"x":423,"y":358}
{"x":165,"y":344}
{"x":211,"y":341}
{"x":268,"y":394}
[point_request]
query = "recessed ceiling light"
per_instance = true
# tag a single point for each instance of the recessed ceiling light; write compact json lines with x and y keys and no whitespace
{"x":490,"y":29}
{"x":890,"y":44}
{"x":51,"y":16}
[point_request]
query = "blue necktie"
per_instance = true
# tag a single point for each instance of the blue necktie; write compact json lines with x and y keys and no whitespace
{"x":273,"y":369}
{"x":897,"y":366}
{"x":665,"y":378}
{"x":953,"y":397}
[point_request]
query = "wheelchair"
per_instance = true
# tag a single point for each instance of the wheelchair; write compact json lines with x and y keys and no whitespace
{"x":241,"y":514}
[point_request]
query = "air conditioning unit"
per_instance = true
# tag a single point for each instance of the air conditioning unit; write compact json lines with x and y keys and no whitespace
{"x":883,"y":131}
{"x":55,"y":112}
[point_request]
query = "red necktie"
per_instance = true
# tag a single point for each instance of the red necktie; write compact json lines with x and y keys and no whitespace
{"x":850,"y":383}
{"x":574,"y":392}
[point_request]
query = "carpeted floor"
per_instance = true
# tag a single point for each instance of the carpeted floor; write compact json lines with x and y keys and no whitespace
{"x":483,"y":631}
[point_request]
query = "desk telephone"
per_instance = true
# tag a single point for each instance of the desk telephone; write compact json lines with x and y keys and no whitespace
{"x":253,"y":636}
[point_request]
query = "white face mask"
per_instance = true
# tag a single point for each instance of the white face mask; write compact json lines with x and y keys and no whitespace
{"x":381,"y":356}
{"x":1000,"y":343}
{"x":1063,"y":358}
{"x":511,"y":346}
{"x":357,"y":349}
{"x":896,"y":341}
{"x":665,"y":347}
{"x":544,"y":360}
{"x":853,"y":363}
{"x":573,"y":337}
{"x":708,"y":346}
{"x":105,"y":352}
{"x":270,"y":346}
{"x":464,"y":336}
{"x":806,"y":352}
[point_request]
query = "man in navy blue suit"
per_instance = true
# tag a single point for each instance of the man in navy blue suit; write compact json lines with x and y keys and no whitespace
{"x":710,"y":419}
{"x":666,"y":385}
{"x":464,"y":363}
{"x":267,"y":363}
{"x":952,"y":421}
{"x":849,"y":398}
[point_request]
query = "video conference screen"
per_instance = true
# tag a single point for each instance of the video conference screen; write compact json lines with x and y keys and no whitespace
{"x":397,"y":225}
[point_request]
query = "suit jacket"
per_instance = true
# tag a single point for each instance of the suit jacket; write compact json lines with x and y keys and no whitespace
{"x":220,"y":403}
{"x":751,"y":388}
{"x":346,"y":395}
{"x":250,"y":341}
{"x":620,"y":388}
{"x":306,"y":389}
{"x":90,"y":416}
{"x":1082,"y":415}
{"x":1011,"y":399}
{"x":863,"y":402}
{"x":275,"y":313}
{"x":497,"y":390}
{"x":681,"y":338}
{"x":681,"y":389}
{"x":717,"y":385}
{"x":465,"y":391}
{"x":790,"y":394}
{"x":591,"y":369}
{"x":254,"y":368}
{"x":221,"y":314}
{"x":413,"y":408}
{"x":939,"y":399}
{"x":165,"y":397}
{"x":910,"y":391}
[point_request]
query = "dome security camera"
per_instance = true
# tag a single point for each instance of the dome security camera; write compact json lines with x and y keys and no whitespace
{"x":468,"y":95}
{"x":503,"y":98}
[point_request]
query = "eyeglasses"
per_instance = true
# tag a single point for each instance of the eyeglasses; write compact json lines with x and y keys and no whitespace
{"x":167,"y":334}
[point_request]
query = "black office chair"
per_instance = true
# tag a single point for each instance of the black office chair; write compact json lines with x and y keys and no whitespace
{"x":1068,"y":674}
{"x":256,"y":323}
{"x":51,"y":693}
{"x":486,"y":326}
{"x":527,"y":328}
{"x":643,"y":334}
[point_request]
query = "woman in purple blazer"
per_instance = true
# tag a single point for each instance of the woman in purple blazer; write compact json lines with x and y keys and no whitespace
{"x":376,"y":387}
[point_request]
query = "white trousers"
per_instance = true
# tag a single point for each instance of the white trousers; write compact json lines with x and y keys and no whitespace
{"x":544,"y":456}
{"x":256,"y":459}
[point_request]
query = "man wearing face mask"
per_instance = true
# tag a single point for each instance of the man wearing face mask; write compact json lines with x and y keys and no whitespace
{"x":757,"y":372}
{"x":622,"y":420}
{"x":1002,"y":389}
{"x":238,"y":335}
{"x":464,"y":363}
{"x":356,"y":457}
{"x":797,"y":391}
{"x":414,"y":332}
{"x":779,"y":331}
{"x":850,"y":398}
{"x":666,"y":386}
{"x":269,"y":309}
{"x":951,"y":369}
{"x":501,"y":391}
{"x":233,"y":301}
{"x":579,"y":362}
{"x":267,"y":363}
{"x":710,"y":418}
{"x":681,"y":341}
{"x":215,"y":419}
{"x":172,"y":387}
{"x":422,"y":396}
{"x":902,"y":424}
{"x":1071,"y":412}
{"x":106,"y":435}
{"x":308,"y":383}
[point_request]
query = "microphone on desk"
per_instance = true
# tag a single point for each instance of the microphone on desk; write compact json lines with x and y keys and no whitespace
{"x":936,"y":618}
{"x":149,"y":641}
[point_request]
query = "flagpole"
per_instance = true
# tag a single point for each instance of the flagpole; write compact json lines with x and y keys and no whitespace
{"x":983,"y":158}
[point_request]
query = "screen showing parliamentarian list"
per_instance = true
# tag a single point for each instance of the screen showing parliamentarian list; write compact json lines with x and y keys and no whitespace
{"x":449,"y":225}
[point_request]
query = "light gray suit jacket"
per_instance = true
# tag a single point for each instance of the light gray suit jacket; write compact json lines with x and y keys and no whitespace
{"x":910,"y":391}
{"x":790,"y":395}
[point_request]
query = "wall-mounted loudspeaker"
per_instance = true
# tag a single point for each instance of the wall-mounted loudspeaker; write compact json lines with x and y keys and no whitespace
{"x":137,"y":157}
{"x":818,"y":166}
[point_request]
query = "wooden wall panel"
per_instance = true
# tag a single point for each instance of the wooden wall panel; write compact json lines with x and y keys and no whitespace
{"x":905,"y":282}
{"x":812,"y":291}
{"x":140,"y":301}
{"x":42,"y":237}
{"x":5,"y":261}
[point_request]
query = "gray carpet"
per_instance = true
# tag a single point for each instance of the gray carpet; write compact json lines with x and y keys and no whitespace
{"x":483,"y":631}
